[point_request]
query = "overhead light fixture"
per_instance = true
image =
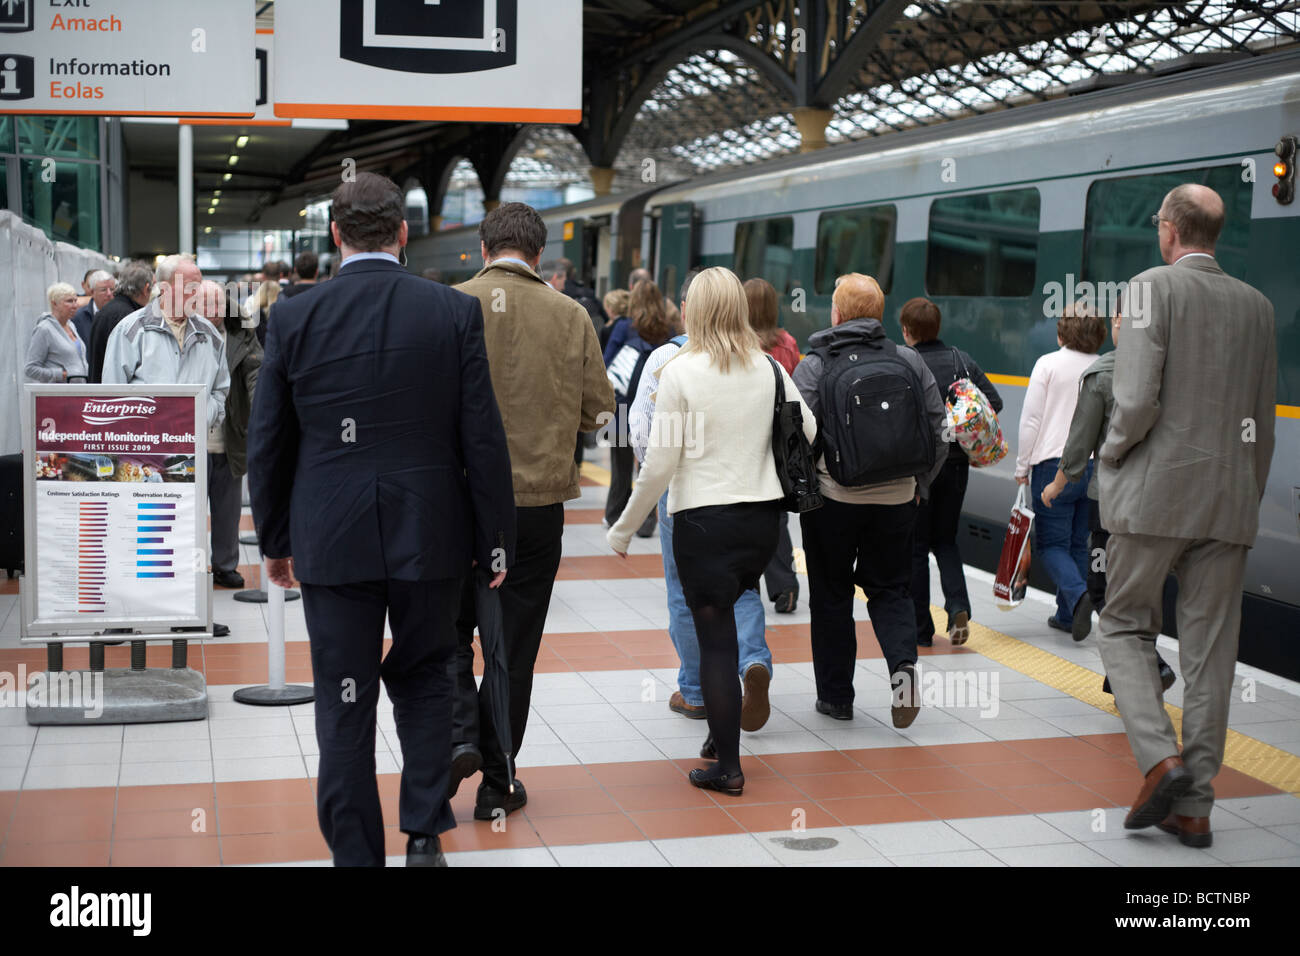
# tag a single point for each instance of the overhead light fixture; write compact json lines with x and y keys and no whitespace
{"x":226,"y":178}
{"x":302,"y":212}
{"x":216,"y":192}
{"x":233,"y":160}
{"x":241,"y":142}
{"x":215,"y":200}
{"x":207,"y":230}
{"x":211,"y":210}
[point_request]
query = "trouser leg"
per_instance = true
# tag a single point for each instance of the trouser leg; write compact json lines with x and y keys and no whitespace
{"x":224,"y":501}
{"x":417,"y":672}
{"x":681,"y":624}
{"x":1137,"y":566}
{"x":884,"y":544}
{"x":1209,"y":626}
{"x":620,"y":482}
{"x":345,"y":627}
{"x":945,"y":519}
{"x":830,"y":549}
{"x":779,"y":575}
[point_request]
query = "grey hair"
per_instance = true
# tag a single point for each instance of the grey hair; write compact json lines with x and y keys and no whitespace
{"x":167,"y":268}
{"x":98,"y":276}
{"x":137,"y":275}
{"x":58,"y":292}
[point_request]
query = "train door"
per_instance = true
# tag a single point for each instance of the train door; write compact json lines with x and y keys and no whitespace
{"x":677,"y":232}
{"x":584,"y":240}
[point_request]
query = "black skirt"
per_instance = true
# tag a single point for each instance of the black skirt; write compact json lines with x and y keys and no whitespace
{"x":721,"y":550}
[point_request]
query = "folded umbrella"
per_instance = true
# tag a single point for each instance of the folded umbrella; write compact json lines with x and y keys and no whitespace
{"x":496,"y":677}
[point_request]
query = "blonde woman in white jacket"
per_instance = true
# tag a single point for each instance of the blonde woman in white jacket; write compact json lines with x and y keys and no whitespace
{"x":711,"y":447}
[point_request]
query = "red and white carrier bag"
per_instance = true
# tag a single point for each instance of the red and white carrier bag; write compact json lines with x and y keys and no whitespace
{"x":1013,"y":566}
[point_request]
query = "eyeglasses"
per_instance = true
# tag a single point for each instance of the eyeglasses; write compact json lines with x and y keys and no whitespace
{"x":1156,"y":220}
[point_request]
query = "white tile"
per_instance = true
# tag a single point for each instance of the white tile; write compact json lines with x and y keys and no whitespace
{"x":1275,"y":810}
{"x":958,"y":858}
{"x":515,"y":857}
{"x":1027,"y":729}
{"x":237,"y":748}
{"x":259,"y":768}
{"x":1244,"y":846}
{"x":544,"y":755}
{"x":913,"y":838}
{"x":12,"y":735}
{"x":167,"y":772}
{"x":959,"y":733}
{"x":601,"y":730}
{"x":861,"y":738}
{"x":250,"y":727}
{"x":158,"y":751}
{"x":66,"y":776}
{"x":11,"y":778}
{"x":577,"y":713}
{"x":80,"y":734}
{"x":615,"y":751}
{"x":15,"y":755}
{"x":1057,"y":707}
{"x":71,"y":755}
{"x":681,"y":748}
{"x":180,"y":730}
{"x":1151,"y":847}
{"x":565,"y":695}
{"x":800,"y":742}
{"x":818,"y":845}
{"x":1051,"y":854}
{"x":669,"y":728}
{"x":739,"y":849}
{"x":1080,"y":724}
{"x":638,"y":853}
{"x":993,"y":832}
{"x":1290,"y":831}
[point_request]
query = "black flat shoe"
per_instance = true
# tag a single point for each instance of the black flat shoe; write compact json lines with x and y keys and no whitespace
{"x":838,"y":711}
{"x":465,"y":762}
{"x":1167,"y":678}
{"x":1081,"y":626}
{"x":732,"y":784}
{"x":424,"y":851}
{"x":709,"y":751}
{"x":228,"y":579}
{"x":1052,"y":622}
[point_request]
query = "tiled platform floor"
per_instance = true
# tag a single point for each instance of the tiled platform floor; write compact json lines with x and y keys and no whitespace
{"x":1043,"y":779}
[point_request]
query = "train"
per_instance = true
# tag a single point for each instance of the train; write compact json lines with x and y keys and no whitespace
{"x":998,"y":218}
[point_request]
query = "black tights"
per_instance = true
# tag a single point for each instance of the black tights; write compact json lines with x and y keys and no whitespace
{"x":715,"y":627}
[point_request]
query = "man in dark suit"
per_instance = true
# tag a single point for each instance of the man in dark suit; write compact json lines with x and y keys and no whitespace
{"x":101,"y":285}
{"x":378,"y":472}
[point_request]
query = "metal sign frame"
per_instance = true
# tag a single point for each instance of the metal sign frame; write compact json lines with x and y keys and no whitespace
{"x":68,"y":630}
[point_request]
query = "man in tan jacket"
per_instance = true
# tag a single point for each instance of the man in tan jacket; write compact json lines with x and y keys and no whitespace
{"x":549,"y":379}
{"x":1183,"y":469}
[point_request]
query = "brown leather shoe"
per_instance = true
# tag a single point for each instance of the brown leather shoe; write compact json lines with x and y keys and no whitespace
{"x":755,"y":708}
{"x":1191,"y":831}
{"x":677,"y":704}
{"x":906,"y":702}
{"x":1165,"y":782}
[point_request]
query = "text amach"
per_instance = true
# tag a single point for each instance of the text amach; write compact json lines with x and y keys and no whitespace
{"x":86,"y":24}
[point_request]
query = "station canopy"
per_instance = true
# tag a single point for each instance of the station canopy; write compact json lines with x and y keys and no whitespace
{"x":700,"y":86}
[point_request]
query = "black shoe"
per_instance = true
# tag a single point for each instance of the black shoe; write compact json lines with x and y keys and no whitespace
{"x":1105,"y":687}
{"x":465,"y":762}
{"x":906,"y":696}
{"x":228,"y":579}
{"x":838,"y":711}
{"x":1054,"y":623}
{"x":732,"y":784}
{"x":709,"y":751}
{"x":424,"y":850}
{"x":1167,"y":676}
{"x":786,"y":602}
{"x":1081,"y":627}
{"x":490,"y":800}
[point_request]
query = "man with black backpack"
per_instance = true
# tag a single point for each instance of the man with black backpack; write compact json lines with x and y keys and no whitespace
{"x":880,"y":424}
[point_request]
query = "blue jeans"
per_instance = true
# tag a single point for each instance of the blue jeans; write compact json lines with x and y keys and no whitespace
{"x":750,"y":622}
{"x":1061,"y":535}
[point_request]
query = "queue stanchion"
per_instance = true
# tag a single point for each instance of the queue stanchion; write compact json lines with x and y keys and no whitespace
{"x":275,"y":692}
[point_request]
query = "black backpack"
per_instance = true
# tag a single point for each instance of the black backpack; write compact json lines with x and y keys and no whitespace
{"x":874,"y":427}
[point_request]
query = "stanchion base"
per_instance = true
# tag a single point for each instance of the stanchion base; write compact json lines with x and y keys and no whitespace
{"x":122,"y":697}
{"x":267,"y":696}
{"x":248,"y":537}
{"x":258,"y":596}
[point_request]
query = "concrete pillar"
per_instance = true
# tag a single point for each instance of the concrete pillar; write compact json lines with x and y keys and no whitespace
{"x":812,"y":124}
{"x":602,"y":179}
{"x":490,"y":204}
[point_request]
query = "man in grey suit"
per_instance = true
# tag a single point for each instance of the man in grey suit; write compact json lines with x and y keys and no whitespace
{"x":1182,"y":473}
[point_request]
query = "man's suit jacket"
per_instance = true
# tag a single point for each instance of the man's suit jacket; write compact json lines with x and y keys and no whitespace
{"x":83,"y":319}
{"x":375,"y":448}
{"x":1191,"y":436}
{"x":101,"y":327}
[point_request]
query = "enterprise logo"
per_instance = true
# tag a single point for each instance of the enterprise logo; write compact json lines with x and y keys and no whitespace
{"x":436,"y":36}
{"x":117,"y":410}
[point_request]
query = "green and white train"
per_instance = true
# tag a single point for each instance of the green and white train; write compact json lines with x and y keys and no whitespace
{"x":999,"y":219}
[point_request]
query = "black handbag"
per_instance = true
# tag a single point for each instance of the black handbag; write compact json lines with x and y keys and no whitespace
{"x":796,"y":465}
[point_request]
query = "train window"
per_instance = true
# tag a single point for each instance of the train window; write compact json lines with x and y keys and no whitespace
{"x":1119,"y":240}
{"x":765,"y":250}
{"x":985,"y":244}
{"x":855,"y":240}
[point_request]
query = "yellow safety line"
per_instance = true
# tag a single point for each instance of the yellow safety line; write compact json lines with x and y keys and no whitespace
{"x":597,"y":474}
{"x":1262,"y":761}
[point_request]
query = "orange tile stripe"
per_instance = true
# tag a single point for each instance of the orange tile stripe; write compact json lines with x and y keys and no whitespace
{"x":274,"y":821}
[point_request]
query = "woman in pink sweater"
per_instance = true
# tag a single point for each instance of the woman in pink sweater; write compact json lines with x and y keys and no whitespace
{"x":1060,"y":532}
